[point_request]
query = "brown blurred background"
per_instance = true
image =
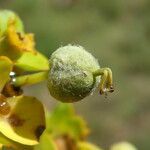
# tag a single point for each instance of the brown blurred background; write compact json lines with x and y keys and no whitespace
{"x":117,"y":32}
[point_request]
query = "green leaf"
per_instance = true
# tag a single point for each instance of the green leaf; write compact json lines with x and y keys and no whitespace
{"x":26,"y":122}
{"x":29,"y":62}
{"x":11,"y":27}
{"x":5,"y":69}
{"x":46,"y":143}
{"x":5,"y":17}
{"x":13,"y":41}
{"x":64,"y":121}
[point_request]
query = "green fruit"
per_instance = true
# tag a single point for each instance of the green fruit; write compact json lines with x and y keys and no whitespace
{"x":6,"y":16}
{"x":71,"y":76}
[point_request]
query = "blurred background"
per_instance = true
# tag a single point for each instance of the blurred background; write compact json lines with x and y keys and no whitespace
{"x":117,"y":33}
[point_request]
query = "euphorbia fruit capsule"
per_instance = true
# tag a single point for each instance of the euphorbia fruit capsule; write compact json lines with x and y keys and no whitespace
{"x":75,"y":73}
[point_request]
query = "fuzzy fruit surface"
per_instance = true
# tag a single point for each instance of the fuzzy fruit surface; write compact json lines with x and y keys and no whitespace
{"x":71,"y":76}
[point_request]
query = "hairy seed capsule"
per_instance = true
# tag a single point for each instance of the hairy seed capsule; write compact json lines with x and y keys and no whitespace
{"x":71,"y":73}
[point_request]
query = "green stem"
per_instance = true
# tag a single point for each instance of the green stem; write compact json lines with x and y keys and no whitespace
{"x":30,"y":79}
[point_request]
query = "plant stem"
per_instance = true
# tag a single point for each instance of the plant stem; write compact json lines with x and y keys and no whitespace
{"x":30,"y":79}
